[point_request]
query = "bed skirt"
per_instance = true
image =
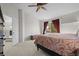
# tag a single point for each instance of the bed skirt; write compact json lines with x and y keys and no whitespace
{"x":51,"y":53}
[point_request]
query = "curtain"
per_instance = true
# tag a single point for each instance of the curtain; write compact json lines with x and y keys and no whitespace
{"x":45,"y":25}
{"x":56,"y":24}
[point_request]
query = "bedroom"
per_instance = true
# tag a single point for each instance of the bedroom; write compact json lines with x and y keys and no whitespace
{"x":27,"y":22}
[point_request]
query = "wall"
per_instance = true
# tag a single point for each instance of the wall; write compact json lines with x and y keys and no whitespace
{"x":31,"y":25}
{"x":20,"y":17}
{"x":11,"y":11}
{"x":69,"y":27}
{"x":41,"y":26}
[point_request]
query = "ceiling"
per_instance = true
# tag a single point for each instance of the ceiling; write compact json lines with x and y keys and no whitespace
{"x":69,"y":18}
{"x":53,"y":9}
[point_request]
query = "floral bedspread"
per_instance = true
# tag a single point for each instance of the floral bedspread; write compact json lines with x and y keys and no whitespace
{"x":63,"y":44}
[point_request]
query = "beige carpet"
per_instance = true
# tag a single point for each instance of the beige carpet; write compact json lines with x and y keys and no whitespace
{"x":26,"y":48}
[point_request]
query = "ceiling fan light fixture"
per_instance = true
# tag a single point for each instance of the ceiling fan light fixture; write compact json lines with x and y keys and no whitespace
{"x":39,"y":6}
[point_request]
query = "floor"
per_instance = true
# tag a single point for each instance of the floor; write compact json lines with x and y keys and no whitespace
{"x":26,"y":48}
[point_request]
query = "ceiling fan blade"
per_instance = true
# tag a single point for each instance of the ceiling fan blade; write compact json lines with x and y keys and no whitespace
{"x":37,"y":9}
{"x":41,"y":4}
{"x":43,"y":8}
{"x":32,"y":5}
{"x":44,"y":3}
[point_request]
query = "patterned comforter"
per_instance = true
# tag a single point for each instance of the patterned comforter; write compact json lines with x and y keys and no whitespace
{"x":63,"y":44}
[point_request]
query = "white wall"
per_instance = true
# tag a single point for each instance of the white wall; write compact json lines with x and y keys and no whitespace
{"x":69,"y":27}
{"x":31,"y":25}
{"x":11,"y":11}
{"x":20,"y":17}
{"x":41,"y":26}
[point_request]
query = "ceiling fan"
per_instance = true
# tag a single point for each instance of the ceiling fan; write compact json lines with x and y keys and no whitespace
{"x":39,"y":6}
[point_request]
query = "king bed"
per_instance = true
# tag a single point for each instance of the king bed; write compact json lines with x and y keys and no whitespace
{"x":61,"y":44}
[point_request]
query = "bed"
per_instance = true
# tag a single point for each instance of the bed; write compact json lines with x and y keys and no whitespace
{"x":62,"y":44}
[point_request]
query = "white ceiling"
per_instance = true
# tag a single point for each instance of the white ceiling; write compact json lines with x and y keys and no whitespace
{"x":53,"y":10}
